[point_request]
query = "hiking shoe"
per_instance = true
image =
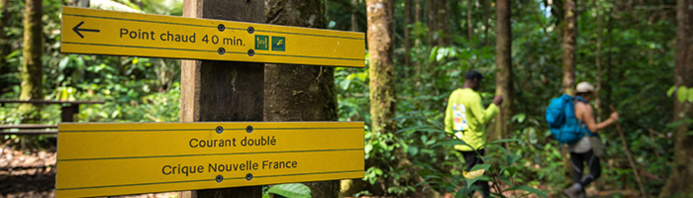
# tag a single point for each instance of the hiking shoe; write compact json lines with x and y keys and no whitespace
{"x":574,"y":191}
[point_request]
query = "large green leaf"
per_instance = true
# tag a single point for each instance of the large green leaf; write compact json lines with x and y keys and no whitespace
{"x":528,"y":189}
{"x":290,"y":190}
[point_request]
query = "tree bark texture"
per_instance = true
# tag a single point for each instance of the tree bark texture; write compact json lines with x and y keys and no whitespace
{"x":32,"y":67}
{"x":354,"y":19}
{"x":431,"y":17}
{"x":443,"y":22}
{"x":682,"y":166}
{"x":4,"y":43}
{"x":569,"y":36}
{"x":299,"y":92}
{"x":222,"y":90}
{"x":487,"y":17}
{"x":408,"y":16}
{"x":470,"y":26}
{"x":504,"y":77}
{"x":381,"y":68}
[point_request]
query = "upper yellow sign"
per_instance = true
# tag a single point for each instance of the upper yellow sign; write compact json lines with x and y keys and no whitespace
{"x":117,"y":159}
{"x":89,"y":31}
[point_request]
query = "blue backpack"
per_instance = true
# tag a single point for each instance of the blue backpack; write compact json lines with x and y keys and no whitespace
{"x":560,"y":115}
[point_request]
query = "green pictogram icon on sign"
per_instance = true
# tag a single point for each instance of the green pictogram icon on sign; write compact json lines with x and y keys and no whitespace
{"x":261,"y":42}
{"x":278,"y":43}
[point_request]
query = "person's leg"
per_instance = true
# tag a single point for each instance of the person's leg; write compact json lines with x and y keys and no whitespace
{"x":485,"y":188}
{"x":471,"y":159}
{"x":594,"y":166}
{"x":576,"y":160}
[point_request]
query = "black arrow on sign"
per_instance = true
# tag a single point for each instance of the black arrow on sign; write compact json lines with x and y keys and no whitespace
{"x":77,"y":29}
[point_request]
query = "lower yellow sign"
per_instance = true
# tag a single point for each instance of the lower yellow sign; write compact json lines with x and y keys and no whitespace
{"x":133,"y":158}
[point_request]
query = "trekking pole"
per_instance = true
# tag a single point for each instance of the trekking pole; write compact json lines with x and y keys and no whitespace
{"x":630,"y":159}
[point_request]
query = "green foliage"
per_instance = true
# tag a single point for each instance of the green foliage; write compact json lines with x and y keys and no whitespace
{"x":292,"y":190}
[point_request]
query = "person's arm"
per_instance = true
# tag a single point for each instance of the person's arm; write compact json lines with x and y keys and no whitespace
{"x":448,"y":116}
{"x":586,"y":115}
{"x":483,"y":116}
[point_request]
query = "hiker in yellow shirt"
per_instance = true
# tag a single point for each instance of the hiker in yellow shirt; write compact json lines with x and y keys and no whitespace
{"x":466,"y":119}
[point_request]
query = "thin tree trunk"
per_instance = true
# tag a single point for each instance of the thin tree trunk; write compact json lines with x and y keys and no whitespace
{"x":487,"y":17}
{"x":4,"y":43}
{"x":597,"y":62}
{"x":407,"y":32}
{"x":32,"y":67}
{"x":470,"y":27}
{"x":504,"y":77}
{"x":432,"y":11}
{"x":381,"y":68}
{"x":417,"y":12}
{"x":682,"y":166}
{"x":443,"y":22}
{"x":299,"y":92}
{"x":569,"y":36}
{"x":354,"y":19}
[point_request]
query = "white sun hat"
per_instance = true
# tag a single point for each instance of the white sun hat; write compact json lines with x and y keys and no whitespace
{"x":584,"y":87}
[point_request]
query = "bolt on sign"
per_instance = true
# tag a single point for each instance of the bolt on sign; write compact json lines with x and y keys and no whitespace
{"x":89,"y":31}
{"x":114,"y":159}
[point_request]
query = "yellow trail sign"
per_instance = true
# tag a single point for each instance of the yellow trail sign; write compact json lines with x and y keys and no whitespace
{"x":89,"y":31}
{"x":132,"y":158}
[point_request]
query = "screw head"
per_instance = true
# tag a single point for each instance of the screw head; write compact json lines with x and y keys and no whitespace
{"x":249,"y":129}
{"x":251,"y":30}
{"x":220,"y":178}
{"x":221,"y":51}
{"x":249,"y":177}
{"x":251,"y":52}
{"x":221,"y":27}
{"x":219,"y":129}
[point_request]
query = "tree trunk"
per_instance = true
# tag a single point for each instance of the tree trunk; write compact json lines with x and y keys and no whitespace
{"x":407,"y":32}
{"x":417,"y":11}
{"x":470,"y":27}
{"x":569,"y":36}
{"x":299,"y":92}
{"x":504,"y":77}
{"x":443,"y":22}
{"x":222,"y":90}
{"x":32,"y":67}
{"x":682,"y":166}
{"x":487,"y":17}
{"x":597,"y":62}
{"x":432,"y":11}
{"x":381,"y":68}
{"x":4,"y":43}
{"x":354,"y":19}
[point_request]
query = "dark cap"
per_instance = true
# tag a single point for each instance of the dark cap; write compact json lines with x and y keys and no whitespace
{"x":473,"y":75}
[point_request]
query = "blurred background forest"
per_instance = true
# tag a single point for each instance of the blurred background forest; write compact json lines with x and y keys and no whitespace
{"x":626,"y":48}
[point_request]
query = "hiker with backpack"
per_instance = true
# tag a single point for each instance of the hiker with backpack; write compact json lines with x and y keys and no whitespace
{"x":571,"y":120}
{"x":466,"y":119}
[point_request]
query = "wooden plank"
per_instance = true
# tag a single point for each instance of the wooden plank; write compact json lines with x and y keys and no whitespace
{"x":222,"y":91}
{"x":115,"y":159}
{"x":89,"y":31}
{"x":29,"y":126}
{"x":29,"y":132}
{"x":50,"y":102}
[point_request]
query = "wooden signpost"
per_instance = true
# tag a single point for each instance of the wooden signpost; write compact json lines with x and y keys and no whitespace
{"x":97,"y":159}
{"x":112,"y":159}
{"x":89,"y":31}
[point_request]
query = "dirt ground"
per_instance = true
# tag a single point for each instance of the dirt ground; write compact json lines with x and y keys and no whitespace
{"x":30,"y":174}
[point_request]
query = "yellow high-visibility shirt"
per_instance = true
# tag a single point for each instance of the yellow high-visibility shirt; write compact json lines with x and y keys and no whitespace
{"x":466,"y":118}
